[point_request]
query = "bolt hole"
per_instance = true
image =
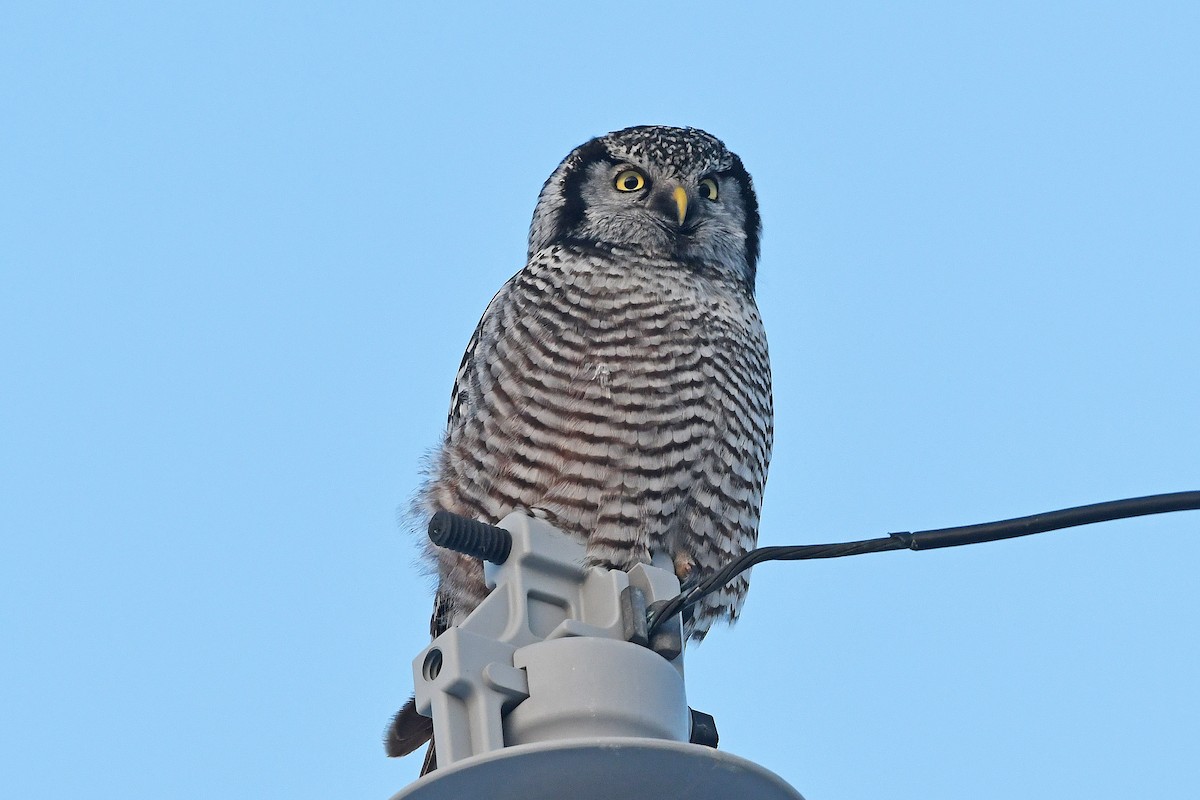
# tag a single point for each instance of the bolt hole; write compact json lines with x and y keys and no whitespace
{"x":433,"y":664}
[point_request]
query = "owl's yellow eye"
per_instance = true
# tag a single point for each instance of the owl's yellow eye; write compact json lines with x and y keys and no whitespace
{"x":630,"y":181}
{"x":708,"y":189}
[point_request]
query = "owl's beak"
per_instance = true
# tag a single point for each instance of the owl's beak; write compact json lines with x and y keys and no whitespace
{"x":681,"y":200}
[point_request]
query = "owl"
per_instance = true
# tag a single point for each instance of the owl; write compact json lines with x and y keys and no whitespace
{"x":618,"y":386}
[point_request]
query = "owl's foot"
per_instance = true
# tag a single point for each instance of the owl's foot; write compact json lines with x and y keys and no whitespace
{"x":685,"y":568}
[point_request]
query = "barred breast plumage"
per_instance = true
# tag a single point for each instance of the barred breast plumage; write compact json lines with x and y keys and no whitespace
{"x":619,"y":384}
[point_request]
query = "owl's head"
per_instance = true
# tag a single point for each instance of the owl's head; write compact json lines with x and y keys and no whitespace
{"x":670,"y":192}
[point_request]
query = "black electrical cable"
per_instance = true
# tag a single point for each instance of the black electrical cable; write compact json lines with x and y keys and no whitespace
{"x":932,"y":539}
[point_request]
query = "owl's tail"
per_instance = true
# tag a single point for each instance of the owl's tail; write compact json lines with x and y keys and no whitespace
{"x":408,"y":731}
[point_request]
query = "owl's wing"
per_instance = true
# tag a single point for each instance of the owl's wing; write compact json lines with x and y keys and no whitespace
{"x":408,"y":729}
{"x":466,"y":368}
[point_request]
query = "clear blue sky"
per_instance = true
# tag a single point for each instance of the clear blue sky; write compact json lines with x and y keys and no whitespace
{"x":242,"y":246}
